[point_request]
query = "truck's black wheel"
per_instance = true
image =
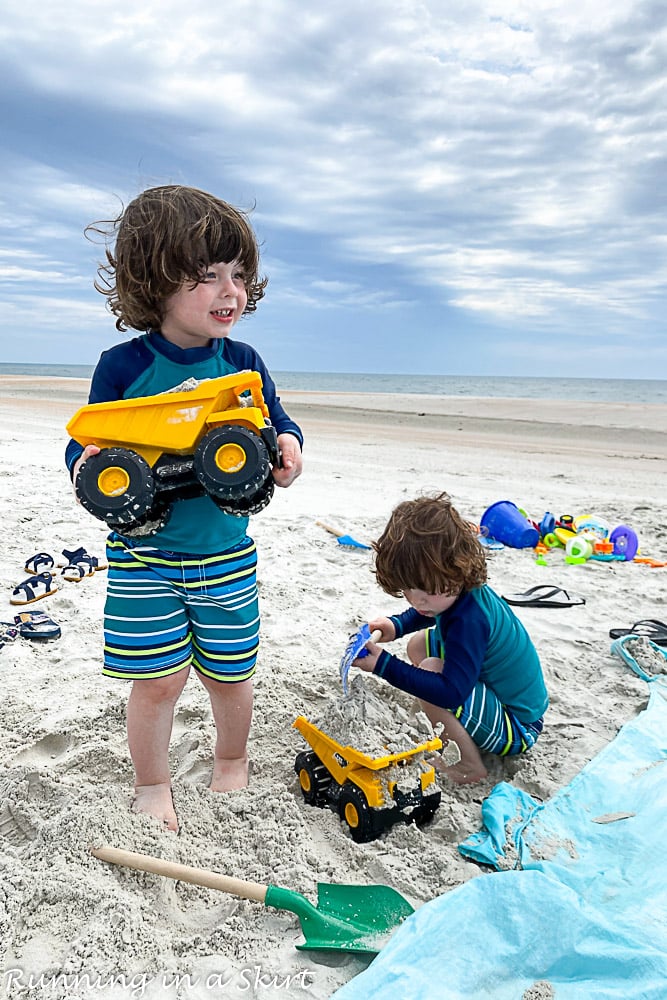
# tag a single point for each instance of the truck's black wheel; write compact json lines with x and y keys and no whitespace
{"x":314,"y":778}
{"x":248,"y":505}
{"x":232,"y":463}
{"x":355,"y":811}
{"x":116,"y":486}
{"x":425,"y":812}
{"x":153,"y":521}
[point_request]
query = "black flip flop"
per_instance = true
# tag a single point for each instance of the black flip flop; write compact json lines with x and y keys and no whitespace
{"x":648,"y":628}
{"x":544,"y":596}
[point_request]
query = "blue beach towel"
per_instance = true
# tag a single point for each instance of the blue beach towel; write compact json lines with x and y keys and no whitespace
{"x":577,"y":908}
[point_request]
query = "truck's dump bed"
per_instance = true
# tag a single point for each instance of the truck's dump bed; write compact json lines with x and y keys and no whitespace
{"x":172,"y":422}
{"x":326,"y":747}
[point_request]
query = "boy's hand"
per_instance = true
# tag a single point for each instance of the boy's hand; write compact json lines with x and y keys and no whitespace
{"x":388,"y":632}
{"x":90,"y":449}
{"x":369,"y":662}
{"x":386,"y":627}
{"x":292,"y":462}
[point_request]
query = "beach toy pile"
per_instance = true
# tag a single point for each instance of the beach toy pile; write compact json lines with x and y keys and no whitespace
{"x":582,"y":538}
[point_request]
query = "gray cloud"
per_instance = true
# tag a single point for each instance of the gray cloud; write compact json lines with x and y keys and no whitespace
{"x":502,"y":163}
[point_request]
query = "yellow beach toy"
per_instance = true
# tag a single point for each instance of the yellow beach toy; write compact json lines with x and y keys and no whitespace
{"x":215,"y":439}
{"x":370,"y":793}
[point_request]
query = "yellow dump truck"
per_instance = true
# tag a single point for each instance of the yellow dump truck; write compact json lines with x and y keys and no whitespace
{"x":214,"y":439}
{"x":370,"y":794}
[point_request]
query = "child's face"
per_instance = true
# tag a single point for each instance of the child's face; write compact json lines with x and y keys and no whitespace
{"x":429,"y":604}
{"x":195,"y":316}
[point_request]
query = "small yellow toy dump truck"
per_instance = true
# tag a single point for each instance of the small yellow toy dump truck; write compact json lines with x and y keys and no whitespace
{"x":214,"y":439}
{"x":370,"y":794}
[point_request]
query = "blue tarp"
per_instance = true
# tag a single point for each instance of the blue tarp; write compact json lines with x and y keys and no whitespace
{"x":578,"y":903}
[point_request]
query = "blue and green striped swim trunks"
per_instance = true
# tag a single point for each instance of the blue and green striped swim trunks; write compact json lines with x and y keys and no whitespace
{"x":167,"y":610}
{"x":492,"y":726}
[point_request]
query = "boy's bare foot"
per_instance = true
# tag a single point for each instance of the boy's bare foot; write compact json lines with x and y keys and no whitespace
{"x":156,"y":800}
{"x":229,"y":774}
{"x":463,"y":773}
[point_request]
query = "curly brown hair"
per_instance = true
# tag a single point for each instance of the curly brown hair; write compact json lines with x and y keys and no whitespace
{"x":428,"y":546}
{"x":165,"y":237}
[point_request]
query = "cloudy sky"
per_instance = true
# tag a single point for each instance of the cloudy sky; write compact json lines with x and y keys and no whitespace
{"x":455,"y":187}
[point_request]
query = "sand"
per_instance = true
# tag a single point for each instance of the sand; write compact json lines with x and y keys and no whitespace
{"x":72,"y":926}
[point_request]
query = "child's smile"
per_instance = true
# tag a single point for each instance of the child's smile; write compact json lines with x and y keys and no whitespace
{"x":195,"y":316}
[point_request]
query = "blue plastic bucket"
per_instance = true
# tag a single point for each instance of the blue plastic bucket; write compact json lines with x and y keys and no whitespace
{"x":504,"y":521}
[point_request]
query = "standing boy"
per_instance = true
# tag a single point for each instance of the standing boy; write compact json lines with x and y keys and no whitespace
{"x":184,"y":269}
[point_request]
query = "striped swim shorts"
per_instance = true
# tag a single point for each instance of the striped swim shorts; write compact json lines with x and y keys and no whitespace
{"x":166,"y":610}
{"x":492,"y":726}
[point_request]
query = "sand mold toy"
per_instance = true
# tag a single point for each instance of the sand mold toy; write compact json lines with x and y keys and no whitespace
{"x":506,"y":523}
{"x":625,"y":542}
{"x":215,"y":439}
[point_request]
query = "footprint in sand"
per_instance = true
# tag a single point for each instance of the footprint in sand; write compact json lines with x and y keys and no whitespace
{"x":187,"y":719}
{"x":52,"y":747}
{"x":15,"y":826}
{"x":191,"y":762}
{"x":26,"y":798}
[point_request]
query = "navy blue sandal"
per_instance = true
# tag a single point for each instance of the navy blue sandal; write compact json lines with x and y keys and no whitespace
{"x":76,"y":572}
{"x":33,"y":589}
{"x":38,"y":563}
{"x":81,"y":556}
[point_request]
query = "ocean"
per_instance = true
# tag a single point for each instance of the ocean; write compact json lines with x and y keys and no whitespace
{"x":602,"y":390}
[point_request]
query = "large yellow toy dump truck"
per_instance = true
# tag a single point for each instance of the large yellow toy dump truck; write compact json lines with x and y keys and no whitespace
{"x":369,"y":793}
{"x":214,"y":439}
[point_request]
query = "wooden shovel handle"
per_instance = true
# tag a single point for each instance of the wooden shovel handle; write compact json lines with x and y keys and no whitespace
{"x":375,"y":635}
{"x":332,"y":531}
{"x":183,"y":873}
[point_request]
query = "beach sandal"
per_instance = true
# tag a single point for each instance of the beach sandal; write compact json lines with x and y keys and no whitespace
{"x":33,"y":589}
{"x":544,"y":596}
{"x":80,"y":555}
{"x":38,"y":563}
{"x":79,"y":564}
{"x":8,"y":633}
{"x":649,"y":628}
{"x":653,"y":657}
{"x":75,"y":573}
{"x":36,"y":625}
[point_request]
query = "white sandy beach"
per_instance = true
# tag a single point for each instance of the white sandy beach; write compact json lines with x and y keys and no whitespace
{"x":65,"y":773}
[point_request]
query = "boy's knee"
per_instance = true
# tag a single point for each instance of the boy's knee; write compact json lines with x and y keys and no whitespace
{"x":416,"y":648}
{"x":238,"y":691}
{"x":161,"y":689}
{"x":432,"y":663}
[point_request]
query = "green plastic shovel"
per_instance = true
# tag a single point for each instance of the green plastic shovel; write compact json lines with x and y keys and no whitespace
{"x":354,"y":918}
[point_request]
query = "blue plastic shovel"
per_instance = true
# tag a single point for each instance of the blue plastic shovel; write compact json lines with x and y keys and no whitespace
{"x":341,"y":538}
{"x":355,"y":650}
